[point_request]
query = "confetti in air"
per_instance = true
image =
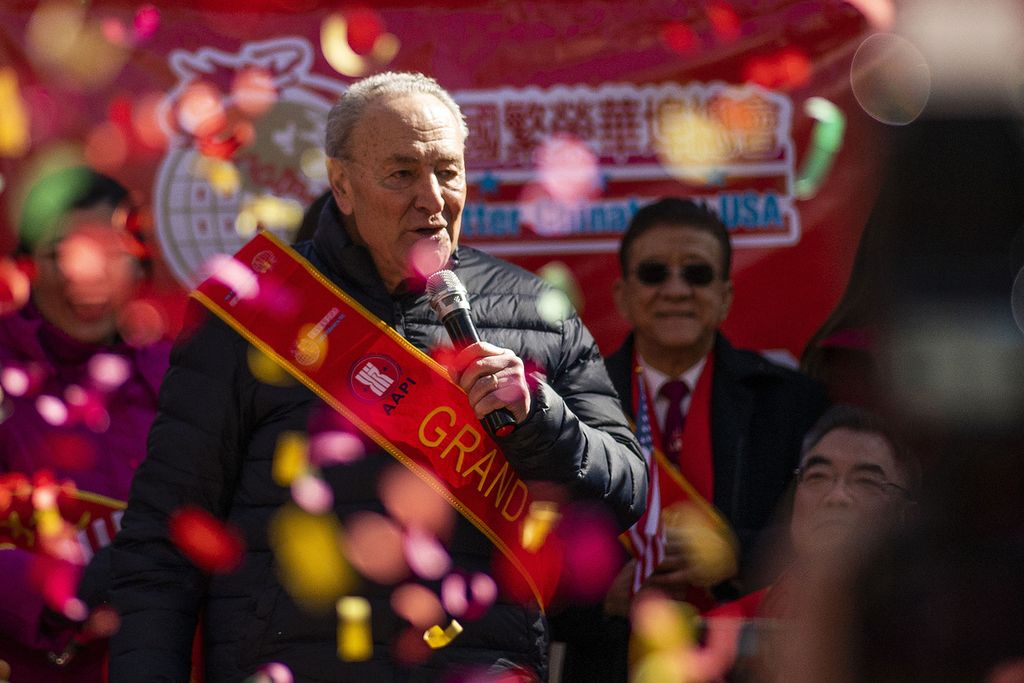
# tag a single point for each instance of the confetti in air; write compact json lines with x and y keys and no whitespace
{"x":275,"y":672}
{"x":425,"y":555}
{"x":14,"y":116}
{"x":412,"y":503}
{"x":233,"y":274}
{"x":341,"y":35}
{"x":436,"y":637}
{"x":826,"y":139}
{"x":468,"y":597}
{"x":540,"y":520}
{"x":335,"y":447}
{"x":291,"y":458}
{"x":266,"y":369}
{"x":84,"y":58}
{"x":312,"y":494}
{"x":417,"y":604}
{"x":355,"y":637}
{"x":375,"y":547}
{"x":309,"y":553}
{"x":253,"y":91}
{"x":210,"y":544}
{"x":14,"y":286}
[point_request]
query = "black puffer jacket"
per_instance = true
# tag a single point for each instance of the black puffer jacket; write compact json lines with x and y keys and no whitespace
{"x":212,"y":445}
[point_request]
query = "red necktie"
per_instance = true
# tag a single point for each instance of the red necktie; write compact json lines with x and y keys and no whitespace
{"x":672,"y":433}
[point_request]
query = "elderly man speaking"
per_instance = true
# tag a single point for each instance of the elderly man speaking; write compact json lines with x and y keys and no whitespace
{"x":351,"y":320}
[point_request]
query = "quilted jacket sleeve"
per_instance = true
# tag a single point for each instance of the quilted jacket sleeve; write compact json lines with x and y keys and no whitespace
{"x":576,"y":433}
{"x":192,"y":460}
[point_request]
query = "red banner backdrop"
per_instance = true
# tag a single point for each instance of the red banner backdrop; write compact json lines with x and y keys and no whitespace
{"x":579,"y":112}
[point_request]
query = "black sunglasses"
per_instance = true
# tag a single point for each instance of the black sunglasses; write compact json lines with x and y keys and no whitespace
{"x":656,"y":272}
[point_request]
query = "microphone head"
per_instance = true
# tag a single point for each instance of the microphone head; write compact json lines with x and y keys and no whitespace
{"x":447,"y":293}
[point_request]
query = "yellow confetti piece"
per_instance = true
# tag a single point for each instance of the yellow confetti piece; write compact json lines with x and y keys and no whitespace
{"x":312,"y":163}
{"x":436,"y":637}
{"x":710,"y":545}
{"x":540,"y":520}
{"x":266,"y":369}
{"x":291,"y":458}
{"x":222,"y":175}
{"x":355,"y":637}
{"x":385,"y":47}
{"x":309,"y":554}
{"x":49,"y":522}
{"x":14,"y":137}
{"x":339,"y":54}
{"x":83,"y":58}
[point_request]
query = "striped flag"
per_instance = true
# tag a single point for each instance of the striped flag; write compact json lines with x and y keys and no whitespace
{"x":647,"y":536}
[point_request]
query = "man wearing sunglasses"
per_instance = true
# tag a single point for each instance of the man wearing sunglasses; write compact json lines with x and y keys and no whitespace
{"x":728,"y":421}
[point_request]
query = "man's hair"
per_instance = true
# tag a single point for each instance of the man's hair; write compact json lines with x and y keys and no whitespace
{"x":684,"y":213}
{"x":346,"y":113}
{"x":57,"y":194}
{"x":858,"y":419}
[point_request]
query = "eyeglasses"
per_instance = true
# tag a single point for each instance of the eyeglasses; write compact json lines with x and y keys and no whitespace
{"x":655,"y":273}
{"x":861,"y":485}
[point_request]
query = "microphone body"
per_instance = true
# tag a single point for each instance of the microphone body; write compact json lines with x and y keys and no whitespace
{"x":450,"y":301}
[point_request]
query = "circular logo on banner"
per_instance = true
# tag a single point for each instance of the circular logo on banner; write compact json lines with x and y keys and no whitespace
{"x":373,"y":376}
{"x":307,"y":351}
{"x":196,"y":218}
{"x":263,"y":261}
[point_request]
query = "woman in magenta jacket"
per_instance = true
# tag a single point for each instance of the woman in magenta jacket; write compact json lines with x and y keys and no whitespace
{"x":78,"y":400}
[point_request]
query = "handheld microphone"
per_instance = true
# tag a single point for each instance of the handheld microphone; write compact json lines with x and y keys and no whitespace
{"x":450,"y":301}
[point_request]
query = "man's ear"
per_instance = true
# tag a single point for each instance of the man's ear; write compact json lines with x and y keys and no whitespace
{"x":340,"y":187}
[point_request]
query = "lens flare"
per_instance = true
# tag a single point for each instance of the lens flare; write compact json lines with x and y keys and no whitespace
{"x":891,"y":79}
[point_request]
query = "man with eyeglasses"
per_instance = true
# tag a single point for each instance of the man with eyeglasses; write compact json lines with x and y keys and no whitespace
{"x":852,"y":479}
{"x":854,"y":482}
{"x":725,"y":424}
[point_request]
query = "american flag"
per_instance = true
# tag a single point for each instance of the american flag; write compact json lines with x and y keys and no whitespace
{"x":647,"y":535}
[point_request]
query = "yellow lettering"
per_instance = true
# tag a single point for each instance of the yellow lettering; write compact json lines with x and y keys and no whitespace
{"x":440,"y":433}
{"x":463,"y":447}
{"x":505,"y":476}
{"x":518,"y":486}
{"x":478,"y":467}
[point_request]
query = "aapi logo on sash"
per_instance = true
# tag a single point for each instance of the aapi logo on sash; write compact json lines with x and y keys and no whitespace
{"x":372,"y":377}
{"x":281,"y":156}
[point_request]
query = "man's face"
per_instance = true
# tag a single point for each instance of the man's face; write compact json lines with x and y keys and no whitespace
{"x":404,"y":187}
{"x":674,"y":315}
{"x":85,"y":278}
{"x":849,"y":484}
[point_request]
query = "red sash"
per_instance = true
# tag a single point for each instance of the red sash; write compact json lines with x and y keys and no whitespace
{"x":669,"y":490}
{"x":393,"y":392}
{"x":96,"y":518}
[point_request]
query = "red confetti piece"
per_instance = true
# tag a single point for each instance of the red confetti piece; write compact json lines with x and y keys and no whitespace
{"x":146,"y":22}
{"x":679,"y":37}
{"x":724,"y":22}
{"x":364,"y":27}
{"x":210,"y":544}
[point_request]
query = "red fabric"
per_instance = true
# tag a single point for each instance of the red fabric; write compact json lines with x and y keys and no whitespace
{"x":695,"y":462}
{"x":746,"y":607}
